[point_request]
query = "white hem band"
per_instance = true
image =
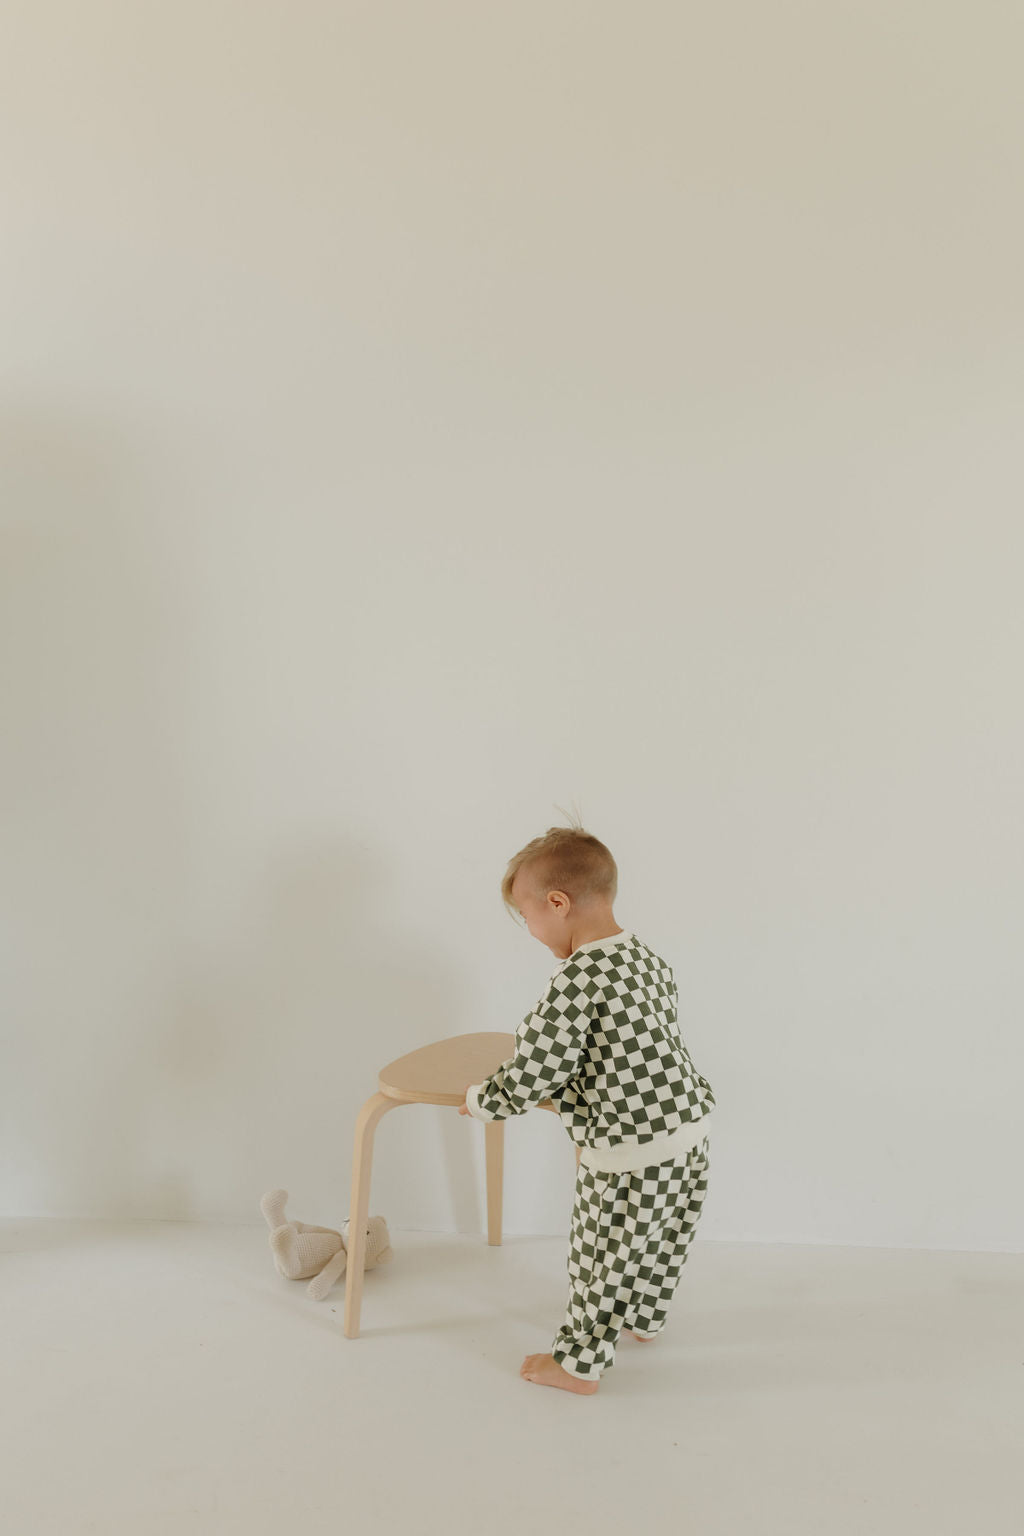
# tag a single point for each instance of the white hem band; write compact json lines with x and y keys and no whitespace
{"x":630,"y":1155}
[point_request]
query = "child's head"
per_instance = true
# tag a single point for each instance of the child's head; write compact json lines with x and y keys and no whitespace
{"x":563,"y":885}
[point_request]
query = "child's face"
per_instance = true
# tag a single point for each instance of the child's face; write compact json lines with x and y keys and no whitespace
{"x":555,"y":922}
{"x":544,"y":917}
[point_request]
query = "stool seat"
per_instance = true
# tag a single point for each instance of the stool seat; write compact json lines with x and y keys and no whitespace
{"x":434,"y":1074}
{"x":438,"y":1073}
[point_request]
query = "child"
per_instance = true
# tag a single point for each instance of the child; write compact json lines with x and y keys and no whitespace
{"x":603,"y":1045}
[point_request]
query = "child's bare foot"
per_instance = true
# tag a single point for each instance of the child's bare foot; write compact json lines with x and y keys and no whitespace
{"x":546,"y":1372}
{"x":641,"y":1337}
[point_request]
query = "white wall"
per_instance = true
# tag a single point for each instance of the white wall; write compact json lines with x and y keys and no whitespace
{"x":421,"y":420}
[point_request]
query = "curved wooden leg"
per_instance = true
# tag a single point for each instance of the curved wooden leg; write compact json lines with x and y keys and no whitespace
{"x":494,"y":1155}
{"x":359,"y":1205}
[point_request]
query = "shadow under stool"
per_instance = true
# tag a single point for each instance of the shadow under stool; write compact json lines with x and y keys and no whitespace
{"x":435,"y":1074}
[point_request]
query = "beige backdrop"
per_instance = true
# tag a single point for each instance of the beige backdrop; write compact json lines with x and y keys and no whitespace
{"x":421,"y":420}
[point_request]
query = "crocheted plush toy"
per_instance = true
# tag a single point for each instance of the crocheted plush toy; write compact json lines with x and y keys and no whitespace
{"x":301,"y":1250}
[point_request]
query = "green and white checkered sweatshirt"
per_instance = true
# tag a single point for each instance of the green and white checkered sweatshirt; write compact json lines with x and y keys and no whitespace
{"x":603,"y":1044}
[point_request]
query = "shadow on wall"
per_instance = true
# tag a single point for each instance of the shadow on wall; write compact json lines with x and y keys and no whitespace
{"x":200,"y":1006}
{"x":273,"y":1042}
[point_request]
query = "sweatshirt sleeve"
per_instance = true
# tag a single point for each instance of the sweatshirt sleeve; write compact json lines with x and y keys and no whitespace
{"x":550,"y":1043}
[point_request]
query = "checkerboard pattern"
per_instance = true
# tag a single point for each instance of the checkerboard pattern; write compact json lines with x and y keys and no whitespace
{"x":603,"y":1044}
{"x":628,"y":1242}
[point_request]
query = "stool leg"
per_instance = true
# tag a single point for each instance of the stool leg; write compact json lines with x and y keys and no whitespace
{"x":494,"y":1155}
{"x":359,"y":1205}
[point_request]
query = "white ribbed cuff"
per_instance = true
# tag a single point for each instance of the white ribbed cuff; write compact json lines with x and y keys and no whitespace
{"x":473,"y":1104}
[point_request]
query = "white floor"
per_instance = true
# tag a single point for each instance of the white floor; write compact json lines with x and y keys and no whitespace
{"x":163,"y":1377}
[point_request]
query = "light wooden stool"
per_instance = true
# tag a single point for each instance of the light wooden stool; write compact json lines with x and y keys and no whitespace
{"x":435,"y":1074}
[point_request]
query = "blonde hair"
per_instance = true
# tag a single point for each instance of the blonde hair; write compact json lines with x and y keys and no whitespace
{"x":567,"y":859}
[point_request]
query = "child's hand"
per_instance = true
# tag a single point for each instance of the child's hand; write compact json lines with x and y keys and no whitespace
{"x":463,"y":1109}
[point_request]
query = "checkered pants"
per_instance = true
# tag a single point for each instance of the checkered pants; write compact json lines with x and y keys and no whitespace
{"x":628,"y":1243}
